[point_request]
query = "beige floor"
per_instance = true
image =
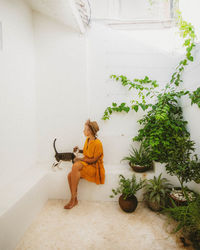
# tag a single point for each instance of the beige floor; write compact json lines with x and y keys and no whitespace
{"x":97,"y":225}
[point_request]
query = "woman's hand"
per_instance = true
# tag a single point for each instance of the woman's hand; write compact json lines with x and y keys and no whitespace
{"x":77,"y":159}
{"x":75,"y":149}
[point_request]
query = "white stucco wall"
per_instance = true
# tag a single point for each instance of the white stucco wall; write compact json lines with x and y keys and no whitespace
{"x":134,"y":53}
{"x":17,"y":95}
{"x":61,"y":87}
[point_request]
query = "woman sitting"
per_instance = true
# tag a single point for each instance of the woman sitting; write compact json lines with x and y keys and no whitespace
{"x":90,"y":167}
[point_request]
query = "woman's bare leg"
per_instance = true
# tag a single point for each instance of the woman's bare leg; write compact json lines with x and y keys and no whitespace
{"x":73,"y":179}
{"x":70,"y":186}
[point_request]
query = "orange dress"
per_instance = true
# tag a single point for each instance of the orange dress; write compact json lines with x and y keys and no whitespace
{"x":93,"y":172}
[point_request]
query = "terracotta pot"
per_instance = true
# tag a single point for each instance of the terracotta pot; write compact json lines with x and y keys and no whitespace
{"x":129,"y":205}
{"x":140,"y":169}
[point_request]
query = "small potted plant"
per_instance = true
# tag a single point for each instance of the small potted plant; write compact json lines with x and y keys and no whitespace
{"x":139,"y":160}
{"x":186,"y":170}
{"x":156,"y":192}
{"x":128,"y":188}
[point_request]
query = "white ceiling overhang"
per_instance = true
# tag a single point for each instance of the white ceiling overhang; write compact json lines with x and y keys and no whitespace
{"x":64,"y":11}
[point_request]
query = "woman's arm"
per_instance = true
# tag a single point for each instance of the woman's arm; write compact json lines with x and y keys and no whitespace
{"x":89,"y":160}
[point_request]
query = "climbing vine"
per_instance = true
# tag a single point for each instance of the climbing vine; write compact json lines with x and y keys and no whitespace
{"x":144,"y":88}
{"x":195,"y":97}
{"x":164,"y":130}
{"x":188,"y":34}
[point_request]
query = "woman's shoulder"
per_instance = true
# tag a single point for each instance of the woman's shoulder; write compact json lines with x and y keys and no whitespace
{"x":98,"y":141}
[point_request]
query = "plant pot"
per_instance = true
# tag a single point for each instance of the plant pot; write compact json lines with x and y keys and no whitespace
{"x":154,"y":206}
{"x":129,"y":205}
{"x":140,"y":169}
{"x":178,"y":200}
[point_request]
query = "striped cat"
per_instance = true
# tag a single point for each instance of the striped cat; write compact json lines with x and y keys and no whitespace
{"x":62,"y":156}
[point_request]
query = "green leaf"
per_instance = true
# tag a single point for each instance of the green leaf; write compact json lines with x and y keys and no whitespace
{"x":135,"y":107}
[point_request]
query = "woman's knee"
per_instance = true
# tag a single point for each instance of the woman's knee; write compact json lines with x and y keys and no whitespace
{"x":76,"y":166}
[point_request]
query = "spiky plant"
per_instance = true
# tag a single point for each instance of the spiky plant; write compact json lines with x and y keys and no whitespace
{"x":156,"y":191}
{"x":139,"y":157}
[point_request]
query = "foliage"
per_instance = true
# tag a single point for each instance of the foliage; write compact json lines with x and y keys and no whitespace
{"x":156,"y":190}
{"x":128,"y":187}
{"x":164,"y":127}
{"x":194,"y":169}
{"x":187,"y":32}
{"x":144,"y":88}
{"x":164,"y":131}
{"x":139,"y":157}
{"x":186,"y":168}
{"x":188,"y":219}
{"x":195,"y":97}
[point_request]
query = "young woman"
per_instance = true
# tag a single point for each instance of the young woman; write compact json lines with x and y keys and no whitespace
{"x":91,"y":166}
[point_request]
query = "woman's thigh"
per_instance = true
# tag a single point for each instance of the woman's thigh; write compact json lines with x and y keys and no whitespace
{"x":77,"y":166}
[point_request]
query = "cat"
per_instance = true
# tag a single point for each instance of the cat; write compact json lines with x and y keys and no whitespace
{"x":63,"y":156}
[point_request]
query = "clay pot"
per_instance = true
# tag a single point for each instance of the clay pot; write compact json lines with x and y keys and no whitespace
{"x":154,"y":206}
{"x":140,"y":169}
{"x":129,"y":205}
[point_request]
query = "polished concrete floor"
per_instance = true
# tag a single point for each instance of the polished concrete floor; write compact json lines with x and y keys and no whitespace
{"x":98,"y":225}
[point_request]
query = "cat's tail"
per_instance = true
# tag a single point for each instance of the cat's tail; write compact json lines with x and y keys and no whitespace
{"x":54,"y":145}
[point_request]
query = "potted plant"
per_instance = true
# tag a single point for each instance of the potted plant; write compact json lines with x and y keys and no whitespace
{"x":188,"y":220}
{"x":156,"y":192}
{"x":186,"y":170}
{"x":128,"y":188}
{"x":139,"y":160}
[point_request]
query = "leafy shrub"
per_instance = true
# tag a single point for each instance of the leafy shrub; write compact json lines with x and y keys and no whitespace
{"x":156,"y":191}
{"x":128,"y":187}
{"x":188,"y":220}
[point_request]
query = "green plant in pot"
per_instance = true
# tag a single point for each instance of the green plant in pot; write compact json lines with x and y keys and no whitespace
{"x":139,"y":160}
{"x":186,"y":169}
{"x":188,"y":220}
{"x":156,"y":192}
{"x":128,"y":188}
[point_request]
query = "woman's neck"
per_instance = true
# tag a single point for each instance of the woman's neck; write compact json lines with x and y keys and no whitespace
{"x":91,"y":138}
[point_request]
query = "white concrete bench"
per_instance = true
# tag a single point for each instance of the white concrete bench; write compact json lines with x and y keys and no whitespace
{"x":89,"y":190}
{"x":21,"y":201}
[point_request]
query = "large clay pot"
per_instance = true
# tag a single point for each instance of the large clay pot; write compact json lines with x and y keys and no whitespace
{"x":129,"y":205}
{"x":140,"y":169}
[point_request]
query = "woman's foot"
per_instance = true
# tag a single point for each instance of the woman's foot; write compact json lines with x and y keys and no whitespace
{"x":71,"y":203}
